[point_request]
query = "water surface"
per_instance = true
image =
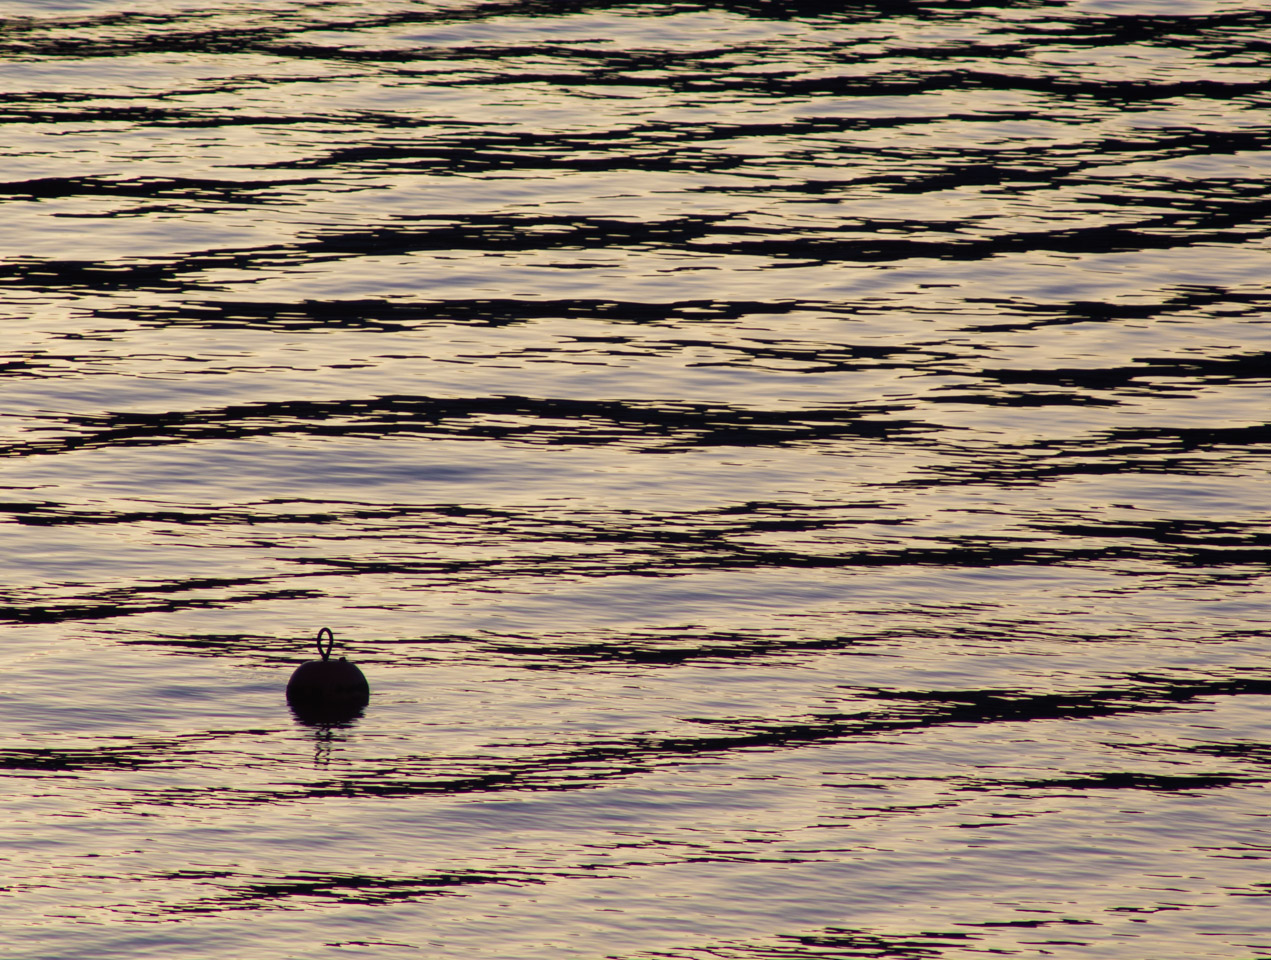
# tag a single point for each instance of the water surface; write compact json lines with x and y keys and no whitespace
{"x":794,"y":476}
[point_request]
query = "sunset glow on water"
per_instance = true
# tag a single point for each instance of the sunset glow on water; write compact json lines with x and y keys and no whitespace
{"x":794,"y":477}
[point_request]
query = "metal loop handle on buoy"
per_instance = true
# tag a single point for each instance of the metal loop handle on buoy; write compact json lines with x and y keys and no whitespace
{"x":326,"y":654}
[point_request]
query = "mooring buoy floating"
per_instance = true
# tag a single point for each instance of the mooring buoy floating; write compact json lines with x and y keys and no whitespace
{"x":326,"y":690}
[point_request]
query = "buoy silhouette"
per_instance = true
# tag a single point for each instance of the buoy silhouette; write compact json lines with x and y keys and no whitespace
{"x":326,"y":690}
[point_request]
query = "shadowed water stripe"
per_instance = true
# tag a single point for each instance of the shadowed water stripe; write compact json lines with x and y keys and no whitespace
{"x":588,"y":765}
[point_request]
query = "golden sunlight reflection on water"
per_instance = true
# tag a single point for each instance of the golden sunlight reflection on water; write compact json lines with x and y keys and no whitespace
{"x":793,"y":477}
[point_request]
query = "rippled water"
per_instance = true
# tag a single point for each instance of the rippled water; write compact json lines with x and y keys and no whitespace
{"x":794,"y":475}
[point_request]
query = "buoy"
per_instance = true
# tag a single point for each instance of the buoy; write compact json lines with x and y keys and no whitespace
{"x":326,"y":690}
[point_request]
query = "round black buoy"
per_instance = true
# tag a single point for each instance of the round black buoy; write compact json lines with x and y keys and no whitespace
{"x":326,"y":690}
